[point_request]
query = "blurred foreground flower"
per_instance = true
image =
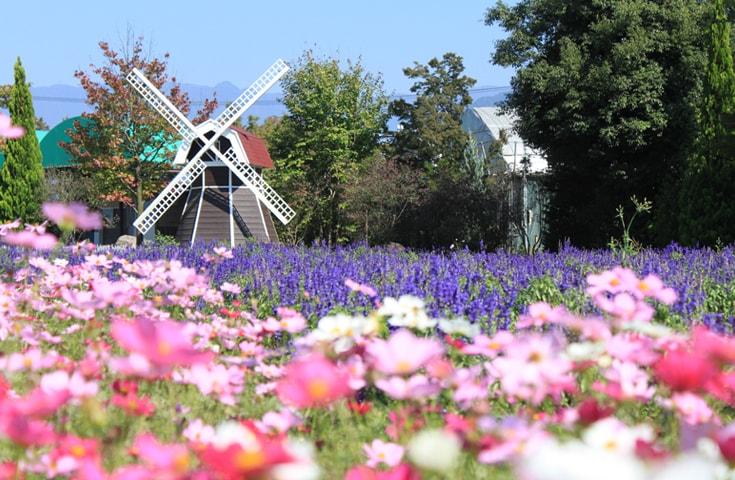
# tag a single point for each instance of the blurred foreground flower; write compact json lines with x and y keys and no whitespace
{"x":73,"y":216}
{"x":8,"y":130}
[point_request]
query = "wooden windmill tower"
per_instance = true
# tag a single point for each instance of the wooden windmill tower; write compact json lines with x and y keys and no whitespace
{"x":223,"y":195}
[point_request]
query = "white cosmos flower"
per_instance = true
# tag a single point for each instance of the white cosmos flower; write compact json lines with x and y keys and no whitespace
{"x":574,"y":460}
{"x":435,"y":450}
{"x":612,"y":435}
{"x":459,"y":326}
{"x":407,"y":311}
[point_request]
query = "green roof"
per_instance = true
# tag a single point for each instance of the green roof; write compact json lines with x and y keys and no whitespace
{"x":40,"y":135}
{"x":56,"y":157}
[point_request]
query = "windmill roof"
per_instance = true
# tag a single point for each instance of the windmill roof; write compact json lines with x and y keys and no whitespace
{"x":255,"y":148}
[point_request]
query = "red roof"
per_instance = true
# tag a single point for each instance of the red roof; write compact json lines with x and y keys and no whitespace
{"x":255,"y":148}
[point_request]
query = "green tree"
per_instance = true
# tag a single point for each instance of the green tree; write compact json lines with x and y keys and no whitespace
{"x":707,"y":214}
{"x":334,"y":120}
{"x":21,"y":176}
{"x":607,"y":90}
{"x":431,"y":133}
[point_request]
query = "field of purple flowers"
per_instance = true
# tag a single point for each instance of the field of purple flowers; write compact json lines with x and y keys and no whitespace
{"x":486,"y":288}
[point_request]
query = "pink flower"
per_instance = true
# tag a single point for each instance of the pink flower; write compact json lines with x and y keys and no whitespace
{"x":30,"y":239}
{"x":361,"y":288}
{"x":611,"y":281}
{"x":172,"y":459}
{"x":386,"y":453}
{"x":230,"y":288}
{"x":8,"y":130}
{"x":487,"y":346}
{"x":416,"y":387}
{"x":399,"y":472}
{"x":540,"y":314}
{"x":163,"y":343}
{"x":72,"y":216}
{"x":291,"y":320}
{"x":625,"y":307}
{"x":198,"y":432}
{"x":652,"y":286}
{"x":692,"y":408}
{"x":403,"y":353}
{"x":312,"y":381}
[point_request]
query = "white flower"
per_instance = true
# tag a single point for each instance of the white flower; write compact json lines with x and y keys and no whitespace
{"x":582,"y":351}
{"x":459,"y":326}
{"x":303,"y":467}
{"x":574,"y":460}
{"x":435,"y":450}
{"x":407,"y":311}
{"x":689,"y":466}
{"x":234,"y":433}
{"x":612,"y":435}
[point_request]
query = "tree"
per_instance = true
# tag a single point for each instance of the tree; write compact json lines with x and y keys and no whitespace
{"x":607,"y":90}
{"x":381,"y":196}
{"x":334,"y":120}
{"x":431,"y":127}
{"x":707,"y":214}
{"x":126,"y":145}
{"x":21,"y":176}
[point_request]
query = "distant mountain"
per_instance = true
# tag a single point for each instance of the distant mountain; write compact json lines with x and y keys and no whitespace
{"x":491,"y":100}
{"x":58,"y":102}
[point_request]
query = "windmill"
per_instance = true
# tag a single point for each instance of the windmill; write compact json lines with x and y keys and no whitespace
{"x":226,"y":197}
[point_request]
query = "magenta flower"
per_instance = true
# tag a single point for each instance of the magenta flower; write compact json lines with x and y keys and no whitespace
{"x":163,"y":343}
{"x":8,"y":130}
{"x":403,"y":353}
{"x":74,"y":216}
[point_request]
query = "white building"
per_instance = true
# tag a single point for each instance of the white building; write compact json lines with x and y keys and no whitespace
{"x":487,"y":125}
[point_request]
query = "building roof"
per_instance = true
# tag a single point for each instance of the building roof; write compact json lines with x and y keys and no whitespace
{"x":485,"y":125}
{"x":255,"y":148}
{"x":40,"y":134}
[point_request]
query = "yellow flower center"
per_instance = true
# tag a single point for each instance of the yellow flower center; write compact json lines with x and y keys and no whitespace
{"x":181,"y":462}
{"x":164,"y":348}
{"x":403,"y":366}
{"x":77,"y":451}
{"x":318,"y":388}
{"x":249,"y":459}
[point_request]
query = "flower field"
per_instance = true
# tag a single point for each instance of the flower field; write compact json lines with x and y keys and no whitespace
{"x":363,"y":363}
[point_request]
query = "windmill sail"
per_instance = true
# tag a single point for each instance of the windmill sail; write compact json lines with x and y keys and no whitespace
{"x":180,"y":183}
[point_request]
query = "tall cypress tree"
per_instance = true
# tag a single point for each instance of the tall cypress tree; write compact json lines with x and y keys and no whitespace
{"x":707,"y":213}
{"x":21,"y":176}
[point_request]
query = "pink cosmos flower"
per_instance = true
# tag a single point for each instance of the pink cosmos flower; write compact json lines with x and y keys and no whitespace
{"x":163,"y":343}
{"x":8,"y":130}
{"x":399,"y":472}
{"x":312,"y":381}
{"x":360,"y":288}
{"x":198,"y":432}
{"x":291,"y":320}
{"x":692,"y":408}
{"x":73,"y":216}
{"x":75,"y":384}
{"x":627,"y":382}
{"x":625,"y":308}
{"x":230,"y":288}
{"x":30,"y":239}
{"x":378,"y":451}
{"x":488,"y":346}
{"x":611,"y":281}
{"x":413,"y":388}
{"x":171,"y":459}
{"x":652,"y":286}
{"x":403,"y":353}
{"x":540,"y":314}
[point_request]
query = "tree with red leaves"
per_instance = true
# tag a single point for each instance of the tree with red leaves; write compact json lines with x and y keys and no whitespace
{"x":125,"y":146}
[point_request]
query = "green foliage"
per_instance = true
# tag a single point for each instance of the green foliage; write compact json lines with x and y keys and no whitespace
{"x":21,"y":176}
{"x":165,"y":240}
{"x":607,"y":90}
{"x":707,"y":213}
{"x":431,"y":134}
{"x":627,"y":246}
{"x":334,"y":120}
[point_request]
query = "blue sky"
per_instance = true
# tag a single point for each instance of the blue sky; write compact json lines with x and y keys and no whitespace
{"x":235,"y":41}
